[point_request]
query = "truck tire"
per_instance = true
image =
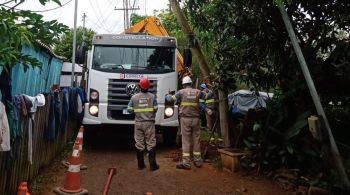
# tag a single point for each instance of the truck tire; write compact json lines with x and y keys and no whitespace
{"x":170,"y":136}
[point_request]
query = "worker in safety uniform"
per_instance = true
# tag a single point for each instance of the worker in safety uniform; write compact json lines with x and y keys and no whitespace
{"x":210,"y":103}
{"x":144,"y":105}
{"x":191,"y":101}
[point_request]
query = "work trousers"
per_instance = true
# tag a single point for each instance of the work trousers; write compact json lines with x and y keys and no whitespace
{"x":210,"y":123}
{"x":190,"y":131}
{"x":145,"y":133}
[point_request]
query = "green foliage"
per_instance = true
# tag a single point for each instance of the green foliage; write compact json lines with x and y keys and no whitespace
{"x":18,"y":28}
{"x":169,"y":22}
{"x":273,"y":144}
{"x":251,"y":46}
{"x":135,"y":18}
{"x":65,"y":46}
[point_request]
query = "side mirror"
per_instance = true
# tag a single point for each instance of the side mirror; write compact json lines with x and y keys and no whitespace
{"x":187,"y":57}
{"x":80,"y":54}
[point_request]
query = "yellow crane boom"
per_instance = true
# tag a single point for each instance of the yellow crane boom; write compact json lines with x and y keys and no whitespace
{"x":152,"y":26}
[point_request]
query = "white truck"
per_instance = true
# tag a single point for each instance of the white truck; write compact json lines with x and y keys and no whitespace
{"x":115,"y":65}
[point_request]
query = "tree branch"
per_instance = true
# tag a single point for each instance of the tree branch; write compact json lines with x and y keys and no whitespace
{"x":17,"y":4}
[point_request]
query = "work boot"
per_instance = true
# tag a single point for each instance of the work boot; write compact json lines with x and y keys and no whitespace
{"x":140,"y":160}
{"x":198,"y":161}
{"x":185,"y":164}
{"x":182,"y":165}
{"x":152,"y":160}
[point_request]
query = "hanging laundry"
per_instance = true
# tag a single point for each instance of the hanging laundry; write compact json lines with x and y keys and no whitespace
{"x":17,"y":114}
{"x":73,"y":103}
{"x":81,"y":103}
{"x":32,"y":103}
{"x":51,"y":131}
{"x":4,"y":130}
{"x":65,"y":108}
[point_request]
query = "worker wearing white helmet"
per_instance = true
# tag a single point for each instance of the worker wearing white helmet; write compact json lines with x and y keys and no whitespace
{"x":191,"y":101}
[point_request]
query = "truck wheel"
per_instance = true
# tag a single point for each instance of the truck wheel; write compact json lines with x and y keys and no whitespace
{"x":89,"y":135}
{"x":170,"y":136}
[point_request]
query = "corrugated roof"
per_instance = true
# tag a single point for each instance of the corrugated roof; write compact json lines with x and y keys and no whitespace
{"x":50,"y":50}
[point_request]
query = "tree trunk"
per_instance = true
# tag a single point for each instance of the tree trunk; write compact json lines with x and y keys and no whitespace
{"x":196,"y":49}
{"x":223,"y":106}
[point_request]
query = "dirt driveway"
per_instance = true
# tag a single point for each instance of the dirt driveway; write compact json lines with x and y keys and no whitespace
{"x":166,"y":180}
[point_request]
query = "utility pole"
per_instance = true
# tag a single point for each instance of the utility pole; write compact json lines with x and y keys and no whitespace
{"x":84,"y":18}
{"x":334,"y":149}
{"x":203,"y":66}
{"x":74,"y":42}
{"x":126,"y":9}
{"x":84,"y":69}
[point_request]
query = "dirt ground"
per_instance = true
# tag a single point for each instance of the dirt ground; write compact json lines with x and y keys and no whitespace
{"x":209,"y":179}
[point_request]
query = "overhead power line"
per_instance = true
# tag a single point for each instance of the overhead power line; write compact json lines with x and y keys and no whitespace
{"x":40,"y":10}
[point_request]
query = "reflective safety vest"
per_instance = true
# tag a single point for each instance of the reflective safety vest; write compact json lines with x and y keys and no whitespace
{"x":209,"y":100}
{"x":143,"y":107}
{"x":189,"y":106}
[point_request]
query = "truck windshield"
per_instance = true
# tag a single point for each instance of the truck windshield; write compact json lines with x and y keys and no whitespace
{"x":150,"y":60}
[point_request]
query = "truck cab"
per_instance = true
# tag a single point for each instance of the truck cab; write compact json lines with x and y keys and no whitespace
{"x":116,"y":64}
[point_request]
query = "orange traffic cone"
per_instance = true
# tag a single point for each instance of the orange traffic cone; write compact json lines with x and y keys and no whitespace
{"x":73,"y":177}
{"x":23,"y":189}
{"x":80,"y":140}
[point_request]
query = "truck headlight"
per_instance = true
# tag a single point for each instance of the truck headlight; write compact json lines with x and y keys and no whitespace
{"x":169,"y":111}
{"x":93,"y":110}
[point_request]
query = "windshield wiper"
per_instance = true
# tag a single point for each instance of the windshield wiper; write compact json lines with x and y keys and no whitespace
{"x":111,"y":66}
{"x":118,"y":65}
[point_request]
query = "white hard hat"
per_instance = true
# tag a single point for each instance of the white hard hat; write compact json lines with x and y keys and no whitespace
{"x":186,"y":80}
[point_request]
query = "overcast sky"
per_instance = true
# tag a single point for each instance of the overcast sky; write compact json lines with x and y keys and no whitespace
{"x":101,"y":16}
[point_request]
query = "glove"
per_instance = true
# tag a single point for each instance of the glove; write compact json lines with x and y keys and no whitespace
{"x":168,"y":98}
{"x":209,"y":111}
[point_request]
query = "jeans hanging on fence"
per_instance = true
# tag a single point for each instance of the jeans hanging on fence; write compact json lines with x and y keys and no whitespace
{"x":51,"y":131}
{"x":17,"y":113}
{"x":65,"y":108}
{"x":73,"y":103}
{"x":58,"y":111}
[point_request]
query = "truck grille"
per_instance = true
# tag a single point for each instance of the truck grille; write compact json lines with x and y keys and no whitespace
{"x":118,"y":98}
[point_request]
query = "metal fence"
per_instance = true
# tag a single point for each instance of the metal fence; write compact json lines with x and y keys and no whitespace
{"x":14,"y":166}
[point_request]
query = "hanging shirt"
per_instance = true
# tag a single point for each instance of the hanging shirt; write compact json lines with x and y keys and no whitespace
{"x":4,"y":130}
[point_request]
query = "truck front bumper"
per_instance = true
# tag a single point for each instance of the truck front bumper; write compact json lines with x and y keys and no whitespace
{"x":102,"y":117}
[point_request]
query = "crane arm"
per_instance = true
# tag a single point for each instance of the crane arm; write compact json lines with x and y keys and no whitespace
{"x":152,"y":26}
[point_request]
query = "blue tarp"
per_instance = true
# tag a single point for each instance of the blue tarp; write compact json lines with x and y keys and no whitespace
{"x":243,"y":100}
{"x":36,"y":80}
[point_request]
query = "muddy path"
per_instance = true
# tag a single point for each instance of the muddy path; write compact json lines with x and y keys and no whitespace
{"x":108,"y":152}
